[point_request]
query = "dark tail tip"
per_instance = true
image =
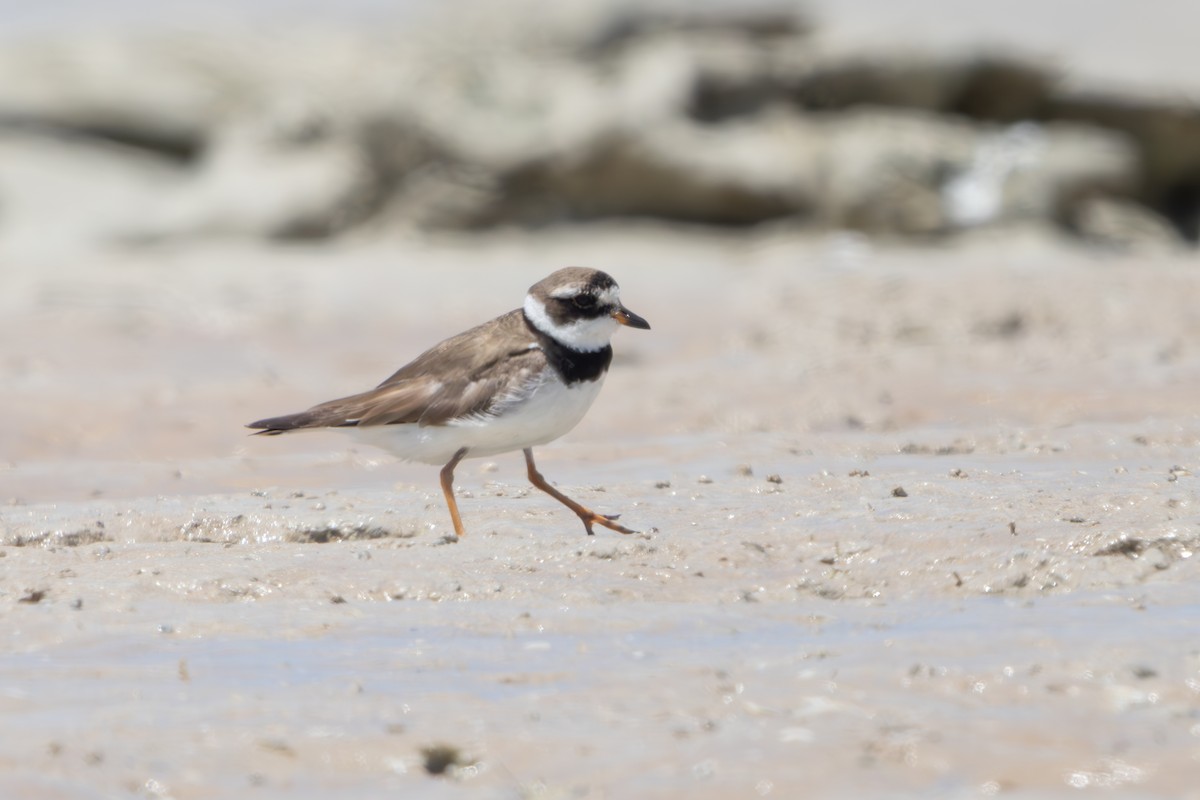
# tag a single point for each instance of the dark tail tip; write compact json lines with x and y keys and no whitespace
{"x":271,"y":427}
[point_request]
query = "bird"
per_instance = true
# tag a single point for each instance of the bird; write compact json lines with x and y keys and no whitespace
{"x":513,"y":383}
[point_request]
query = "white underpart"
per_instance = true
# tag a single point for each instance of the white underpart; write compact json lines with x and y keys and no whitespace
{"x":583,"y":335}
{"x":542,"y":411}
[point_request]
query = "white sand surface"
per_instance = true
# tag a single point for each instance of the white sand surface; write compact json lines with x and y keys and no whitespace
{"x":918,"y":523}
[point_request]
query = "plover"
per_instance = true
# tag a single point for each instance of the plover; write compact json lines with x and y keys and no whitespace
{"x":521,"y":380}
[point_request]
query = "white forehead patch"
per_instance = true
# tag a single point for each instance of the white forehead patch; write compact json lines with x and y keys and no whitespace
{"x":609,"y":297}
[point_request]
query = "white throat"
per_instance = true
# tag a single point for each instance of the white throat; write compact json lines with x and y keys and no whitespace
{"x":582,"y":335}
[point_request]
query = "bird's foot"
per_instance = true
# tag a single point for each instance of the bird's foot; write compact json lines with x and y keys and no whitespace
{"x":607,"y":520}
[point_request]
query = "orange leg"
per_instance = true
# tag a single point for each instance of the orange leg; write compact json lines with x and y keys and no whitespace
{"x":588,"y":516}
{"x":448,"y":490}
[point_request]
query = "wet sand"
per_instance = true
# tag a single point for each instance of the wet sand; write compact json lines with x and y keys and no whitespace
{"x":919,"y":522}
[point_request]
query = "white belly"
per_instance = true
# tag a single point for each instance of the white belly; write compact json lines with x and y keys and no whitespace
{"x":547,"y":413}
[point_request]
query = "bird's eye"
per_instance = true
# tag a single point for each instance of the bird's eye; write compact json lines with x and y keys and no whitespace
{"x":585,"y":300}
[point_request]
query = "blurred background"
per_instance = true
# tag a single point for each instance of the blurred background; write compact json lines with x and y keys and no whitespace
{"x":210,"y":213}
{"x":132,"y":122}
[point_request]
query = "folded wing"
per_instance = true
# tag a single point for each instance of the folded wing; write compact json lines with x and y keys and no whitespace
{"x":456,"y":378}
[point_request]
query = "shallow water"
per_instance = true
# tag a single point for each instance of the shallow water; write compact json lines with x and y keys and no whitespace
{"x":637,"y":699}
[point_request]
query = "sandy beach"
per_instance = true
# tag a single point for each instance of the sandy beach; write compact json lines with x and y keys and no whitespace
{"x":919,"y":522}
{"x":912,"y":444}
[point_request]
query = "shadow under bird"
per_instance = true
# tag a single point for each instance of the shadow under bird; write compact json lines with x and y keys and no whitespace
{"x":521,"y":380}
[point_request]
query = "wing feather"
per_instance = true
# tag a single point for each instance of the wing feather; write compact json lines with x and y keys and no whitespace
{"x":454,"y":379}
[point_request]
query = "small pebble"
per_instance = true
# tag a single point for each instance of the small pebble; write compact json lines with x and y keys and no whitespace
{"x":440,"y":757}
{"x":774,"y":478}
{"x":704,"y":479}
{"x":899,"y":492}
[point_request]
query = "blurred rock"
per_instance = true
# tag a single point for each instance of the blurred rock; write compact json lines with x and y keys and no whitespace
{"x":59,"y":192}
{"x":742,"y":174}
{"x":159,"y":95}
{"x":716,"y":115}
{"x":883,"y":169}
{"x":816,"y":79}
{"x":1033,"y":171}
{"x":286,"y":172}
{"x":1167,"y":133}
{"x":1123,"y":225}
{"x":750,"y":22}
